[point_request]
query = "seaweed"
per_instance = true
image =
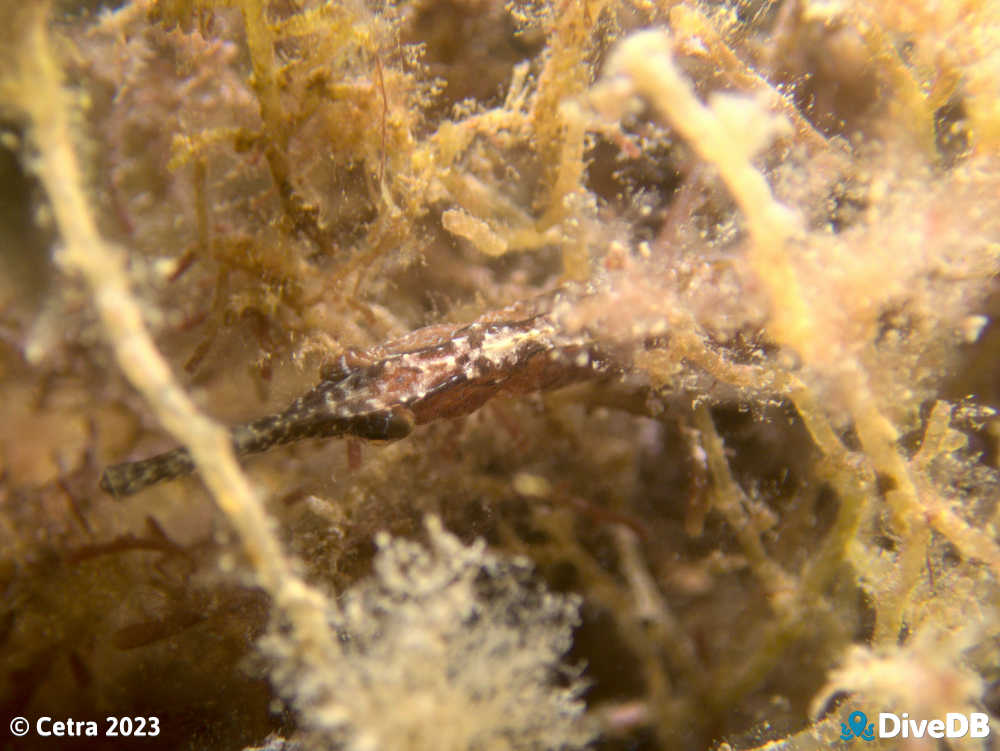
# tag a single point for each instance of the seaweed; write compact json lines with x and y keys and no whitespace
{"x":778,"y":222}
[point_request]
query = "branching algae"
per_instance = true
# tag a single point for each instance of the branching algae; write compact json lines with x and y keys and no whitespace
{"x":690,"y":305}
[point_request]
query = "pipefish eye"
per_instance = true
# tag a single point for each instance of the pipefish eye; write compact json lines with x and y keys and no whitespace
{"x":341,"y":367}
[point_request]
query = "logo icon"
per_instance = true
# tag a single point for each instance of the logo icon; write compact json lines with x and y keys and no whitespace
{"x":857,"y":727}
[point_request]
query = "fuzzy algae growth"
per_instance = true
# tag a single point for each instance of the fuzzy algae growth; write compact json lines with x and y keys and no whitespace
{"x":778,"y":222}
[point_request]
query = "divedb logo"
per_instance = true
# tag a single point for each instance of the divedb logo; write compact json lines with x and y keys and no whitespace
{"x":954,"y":725}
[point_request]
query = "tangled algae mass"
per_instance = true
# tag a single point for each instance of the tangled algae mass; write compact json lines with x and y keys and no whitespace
{"x":740,"y":487}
